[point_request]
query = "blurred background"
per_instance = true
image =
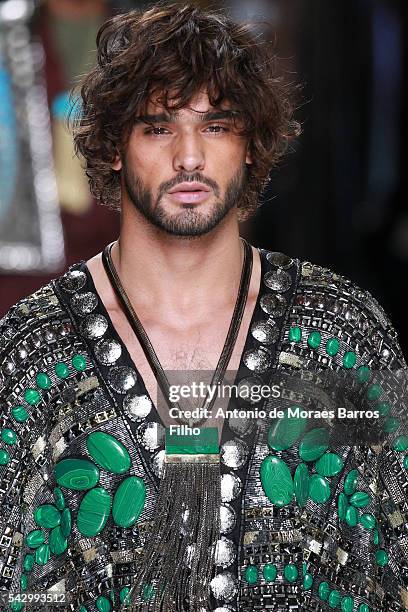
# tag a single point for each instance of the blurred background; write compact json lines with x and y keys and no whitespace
{"x":338,"y":199}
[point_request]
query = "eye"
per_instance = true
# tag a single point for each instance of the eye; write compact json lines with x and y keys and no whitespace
{"x":217,"y":129}
{"x":155,"y":131}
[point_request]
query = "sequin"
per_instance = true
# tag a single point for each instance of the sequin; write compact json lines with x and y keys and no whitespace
{"x":265,"y":332}
{"x":157,"y":463}
{"x":258,"y":360}
{"x":8,"y":367}
{"x":94,"y":326}
{"x":84,"y":303}
{"x":228,"y":518}
{"x":21,"y":353}
{"x":121,"y":378}
{"x":224,"y":586}
{"x":224,"y":553}
{"x":278,"y":280}
{"x":279,"y":259}
{"x":136,"y":406}
{"x":234,"y":454}
{"x":230,"y":487}
{"x":273,"y":304}
{"x":73,"y":281}
{"x":107,"y":351}
{"x":150,"y":435}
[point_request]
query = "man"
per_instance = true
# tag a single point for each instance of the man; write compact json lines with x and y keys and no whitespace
{"x":107,"y":505}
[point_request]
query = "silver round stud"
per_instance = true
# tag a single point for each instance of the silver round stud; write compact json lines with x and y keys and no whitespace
{"x":230,"y":487}
{"x":224,"y":586}
{"x":84,"y":303}
{"x":228,"y":518}
{"x":234,"y":454}
{"x":273,"y":304}
{"x":150,"y":435}
{"x":278,"y":280}
{"x":94,"y":326}
{"x":121,"y":379}
{"x":258,"y":360}
{"x":279,"y":259}
{"x":157,"y":463}
{"x":107,"y":351}
{"x":225,"y":552}
{"x":267,"y":333}
{"x":224,"y":609}
{"x":73,"y":280}
{"x":136,"y":406}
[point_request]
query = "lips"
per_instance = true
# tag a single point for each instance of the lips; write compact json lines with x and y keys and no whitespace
{"x":190,"y":187}
{"x":190,"y":192}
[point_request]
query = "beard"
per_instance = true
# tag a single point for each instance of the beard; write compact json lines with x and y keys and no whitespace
{"x":189,"y":222}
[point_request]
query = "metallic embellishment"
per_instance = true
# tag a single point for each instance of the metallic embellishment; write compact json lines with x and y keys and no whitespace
{"x":49,"y":335}
{"x":234,"y":454}
{"x":245,"y":392}
{"x":258,"y":360}
{"x":21,"y":353}
{"x":84,"y":303}
{"x":73,"y":281}
{"x":278,"y":280}
{"x":224,"y":586}
{"x":121,"y":378}
{"x":150,"y":435}
{"x":9,"y":367}
{"x":107,"y":351}
{"x":273,"y":304}
{"x":137,"y":407}
{"x":267,"y":333}
{"x":228,"y":518}
{"x":224,"y":609}
{"x":94,"y":326}
{"x":157,"y":463}
{"x":241,"y":427}
{"x":279,"y":259}
{"x":230,"y":487}
{"x":225,"y":552}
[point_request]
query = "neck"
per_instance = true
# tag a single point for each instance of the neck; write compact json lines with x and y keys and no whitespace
{"x":175,"y":275}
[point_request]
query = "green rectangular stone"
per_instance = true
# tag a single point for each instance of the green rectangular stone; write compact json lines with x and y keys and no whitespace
{"x":206,"y":442}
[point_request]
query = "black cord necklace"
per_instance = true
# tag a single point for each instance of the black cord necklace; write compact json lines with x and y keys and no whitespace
{"x":147,"y":346}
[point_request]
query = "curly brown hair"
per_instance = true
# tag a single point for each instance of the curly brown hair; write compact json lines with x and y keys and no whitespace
{"x":172,"y":52}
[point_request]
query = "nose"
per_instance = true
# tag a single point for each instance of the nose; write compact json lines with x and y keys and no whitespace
{"x":188,"y":154}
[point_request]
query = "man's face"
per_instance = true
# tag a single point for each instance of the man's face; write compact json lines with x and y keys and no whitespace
{"x":185,"y":172}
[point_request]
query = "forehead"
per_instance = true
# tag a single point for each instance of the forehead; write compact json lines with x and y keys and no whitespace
{"x":198,"y":105}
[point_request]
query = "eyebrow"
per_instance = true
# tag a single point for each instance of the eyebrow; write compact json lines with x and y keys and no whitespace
{"x":174,"y":117}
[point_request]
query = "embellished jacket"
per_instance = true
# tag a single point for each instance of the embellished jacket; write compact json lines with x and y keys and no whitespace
{"x":314,"y":507}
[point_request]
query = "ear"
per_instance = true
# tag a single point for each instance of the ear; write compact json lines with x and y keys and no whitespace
{"x":117,"y":164}
{"x":248,"y":158}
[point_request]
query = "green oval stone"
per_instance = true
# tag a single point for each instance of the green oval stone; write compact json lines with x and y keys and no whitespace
{"x":47,"y":516}
{"x":368,"y":521}
{"x":332,"y":347}
{"x":383,"y":408}
{"x":66,"y":522}
{"x":79,"y":363}
{"x":93,"y":512}
{"x":319,"y":489}
{"x":363,"y":608}
{"x":4,"y":457}
{"x":59,"y":498}
{"x":251,"y":574}
{"x":103,"y":604}
{"x":8,"y":436}
{"x":351,"y":516}
{"x":405,"y":462}
{"x":35,"y":538}
{"x":360,"y":499}
{"x":285,"y":431}
{"x":376,"y":537}
{"x":290,"y":572}
{"x":381,"y":557}
{"x":349,"y":359}
{"x":108,"y":452}
{"x":28,"y":562}
{"x":123,"y":594}
{"x":391,"y":424}
{"x":77,"y":474}
{"x":128,"y":501}
{"x":83,"y":609}
{"x":342,"y":505}
{"x":374,"y":392}
{"x":324,"y":590}
{"x":32,"y":396}
{"x":363,"y":374}
{"x":23,"y":581}
{"x":148,"y":592}
{"x":301,"y":481}
{"x":61,"y":369}
{"x":350,"y":482}
{"x":334,"y":599}
{"x":43,"y":380}
{"x":347,"y":604}
{"x":42,"y":554}
{"x":276,"y":480}
{"x":329,"y":464}
{"x":314,"y":339}
{"x":295,"y":334}
{"x":16,"y":606}
{"x":58,"y":543}
{"x":270,"y":572}
{"x":314,"y":444}
{"x":401,"y":443}
{"x":307,"y":581}
{"x":19,"y":414}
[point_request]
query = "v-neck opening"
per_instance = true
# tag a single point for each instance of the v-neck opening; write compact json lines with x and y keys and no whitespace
{"x":156,"y":415}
